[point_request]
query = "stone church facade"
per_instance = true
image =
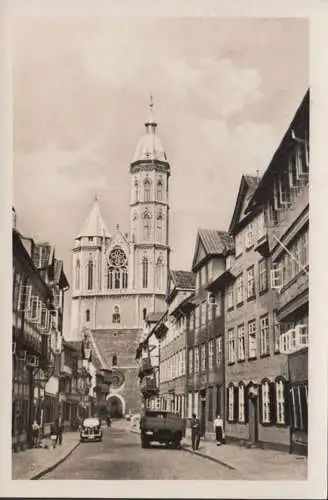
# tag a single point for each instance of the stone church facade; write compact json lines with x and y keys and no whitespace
{"x":120,"y":278}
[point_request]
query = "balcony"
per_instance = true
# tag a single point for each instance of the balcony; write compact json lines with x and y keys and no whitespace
{"x":148,"y":387}
{"x":294,"y":340}
{"x":145,"y":367}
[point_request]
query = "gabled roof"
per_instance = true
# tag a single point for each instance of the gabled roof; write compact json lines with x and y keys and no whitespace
{"x":185,"y":280}
{"x":246,"y":190}
{"x":298,"y":124}
{"x":94,"y":225}
{"x":59,"y":275}
{"x":212,"y":243}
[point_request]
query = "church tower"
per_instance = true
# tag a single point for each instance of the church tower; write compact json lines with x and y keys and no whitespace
{"x":149,"y":213}
{"x":120,"y":278}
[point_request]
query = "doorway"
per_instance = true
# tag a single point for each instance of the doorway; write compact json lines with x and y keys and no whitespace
{"x":202,"y":415}
{"x":253,"y":428}
{"x":115,"y":407}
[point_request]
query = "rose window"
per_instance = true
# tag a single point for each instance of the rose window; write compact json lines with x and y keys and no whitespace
{"x":117,"y":257}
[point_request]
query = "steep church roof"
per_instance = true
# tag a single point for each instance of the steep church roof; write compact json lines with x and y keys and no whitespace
{"x":150,"y":146}
{"x":94,"y":225}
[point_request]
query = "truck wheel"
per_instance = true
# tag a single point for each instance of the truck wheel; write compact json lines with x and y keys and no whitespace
{"x":144,"y":443}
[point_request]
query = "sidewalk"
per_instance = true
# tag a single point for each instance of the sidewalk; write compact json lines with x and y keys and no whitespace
{"x":34,"y":463}
{"x":252,"y":463}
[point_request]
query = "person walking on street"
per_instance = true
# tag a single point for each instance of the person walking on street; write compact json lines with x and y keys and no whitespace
{"x":219,"y":434}
{"x":195,"y":432}
{"x":109,"y":421}
{"x":53,"y":434}
{"x":60,"y":428}
{"x":35,"y":434}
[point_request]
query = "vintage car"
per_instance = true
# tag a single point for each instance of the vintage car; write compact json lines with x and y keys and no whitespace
{"x":91,"y":430}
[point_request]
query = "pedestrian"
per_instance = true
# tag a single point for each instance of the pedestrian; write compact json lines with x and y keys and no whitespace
{"x":53,"y":434}
{"x":195,"y":432}
{"x":109,"y":421}
{"x":35,"y":434}
{"x":60,"y":428}
{"x":219,"y":434}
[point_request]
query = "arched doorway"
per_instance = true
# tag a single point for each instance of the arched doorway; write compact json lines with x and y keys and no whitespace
{"x":116,"y":406}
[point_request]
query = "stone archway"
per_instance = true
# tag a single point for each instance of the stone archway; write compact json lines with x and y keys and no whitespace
{"x":116,"y":406}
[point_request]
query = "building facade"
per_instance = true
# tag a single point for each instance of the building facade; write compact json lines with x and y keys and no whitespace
{"x":173,"y":343}
{"x":119,"y":279}
{"x":205,"y":365}
{"x":39,"y":284}
{"x":283,"y":195}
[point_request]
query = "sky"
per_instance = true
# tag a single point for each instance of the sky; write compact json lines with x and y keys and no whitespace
{"x":225,"y":91}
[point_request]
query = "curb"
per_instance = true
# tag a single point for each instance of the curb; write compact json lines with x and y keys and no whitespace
{"x":209,"y":457}
{"x":199,"y":454}
{"x":55,"y":464}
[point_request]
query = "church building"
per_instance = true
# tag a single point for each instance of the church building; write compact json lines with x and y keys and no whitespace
{"x":119,"y":278}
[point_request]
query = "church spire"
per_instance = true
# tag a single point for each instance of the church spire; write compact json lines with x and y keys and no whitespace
{"x":94,"y":224}
{"x":151,"y":123}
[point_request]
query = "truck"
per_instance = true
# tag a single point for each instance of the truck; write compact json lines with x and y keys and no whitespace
{"x":162,"y":427}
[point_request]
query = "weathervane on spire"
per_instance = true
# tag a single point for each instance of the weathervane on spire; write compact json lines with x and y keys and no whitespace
{"x":151,"y":120}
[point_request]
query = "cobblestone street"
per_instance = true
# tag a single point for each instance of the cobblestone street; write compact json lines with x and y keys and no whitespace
{"x":120,"y":456}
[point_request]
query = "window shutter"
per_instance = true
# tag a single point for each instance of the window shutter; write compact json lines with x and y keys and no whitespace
{"x":246,"y":404}
{"x":235,"y":404}
{"x":227,"y":404}
{"x":304,"y":407}
{"x":287,"y":403}
{"x":273,"y":404}
{"x":261,"y":403}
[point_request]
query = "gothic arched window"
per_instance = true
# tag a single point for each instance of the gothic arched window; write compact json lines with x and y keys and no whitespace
{"x":77,"y":274}
{"x":117,"y":274}
{"x":147,"y":189}
{"x":87,"y":315}
{"x":159,"y":272}
{"x":117,"y":279}
{"x":159,"y":226}
{"x":136,"y":190}
{"x":109,"y":278}
{"x":159,"y":191}
{"x":147,"y":226}
{"x":145,"y":272}
{"x":90,"y":274}
{"x":116,"y":317}
{"x":124,"y":278}
{"x":134,"y":226}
